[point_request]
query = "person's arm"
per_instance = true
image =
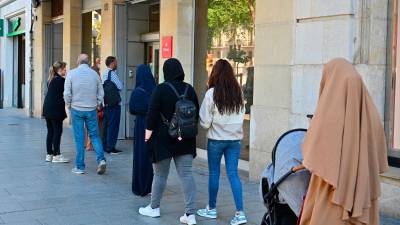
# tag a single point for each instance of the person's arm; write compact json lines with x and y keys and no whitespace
{"x":100,"y":93}
{"x":206,"y":111}
{"x":153,"y":116}
{"x":115,"y":79}
{"x":68,"y":91}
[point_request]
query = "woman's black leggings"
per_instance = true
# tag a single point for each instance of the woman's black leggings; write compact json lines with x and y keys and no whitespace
{"x":54,"y":132}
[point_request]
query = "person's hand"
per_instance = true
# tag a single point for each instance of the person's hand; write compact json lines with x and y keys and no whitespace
{"x":148,"y":135}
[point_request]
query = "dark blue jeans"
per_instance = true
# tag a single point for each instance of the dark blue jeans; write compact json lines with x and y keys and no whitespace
{"x":112,"y":116}
{"x":231,"y":152}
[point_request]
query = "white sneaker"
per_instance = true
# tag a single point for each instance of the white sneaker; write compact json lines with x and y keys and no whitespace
{"x":150,"y":212}
{"x":101,"y":168}
{"x":60,"y":159}
{"x":49,"y":158}
{"x":190,"y":220}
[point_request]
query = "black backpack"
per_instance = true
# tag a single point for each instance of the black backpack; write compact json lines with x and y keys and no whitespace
{"x":111,"y":92}
{"x":183,"y":123}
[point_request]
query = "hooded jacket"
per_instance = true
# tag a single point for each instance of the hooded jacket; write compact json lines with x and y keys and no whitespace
{"x":161,"y":145}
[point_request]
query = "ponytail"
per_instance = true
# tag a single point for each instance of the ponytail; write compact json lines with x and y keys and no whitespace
{"x":51,"y":74}
{"x":54,"y":69}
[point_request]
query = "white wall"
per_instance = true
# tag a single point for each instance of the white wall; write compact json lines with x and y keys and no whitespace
{"x":294,"y":39}
{"x":330,"y":29}
{"x":9,"y":10}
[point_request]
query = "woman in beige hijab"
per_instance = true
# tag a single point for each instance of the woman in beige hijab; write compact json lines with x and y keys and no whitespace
{"x":345,"y":150}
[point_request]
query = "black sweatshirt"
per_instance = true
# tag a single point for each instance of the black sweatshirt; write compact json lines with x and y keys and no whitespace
{"x":161,"y":145}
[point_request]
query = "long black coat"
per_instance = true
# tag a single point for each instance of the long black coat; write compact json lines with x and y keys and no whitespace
{"x":161,"y":144}
{"x":54,"y":105}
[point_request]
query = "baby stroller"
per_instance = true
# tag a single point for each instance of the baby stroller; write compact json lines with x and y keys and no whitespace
{"x":285,"y":181}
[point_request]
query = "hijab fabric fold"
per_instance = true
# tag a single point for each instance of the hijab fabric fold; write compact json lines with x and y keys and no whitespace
{"x":145,"y":84}
{"x":345,"y":145}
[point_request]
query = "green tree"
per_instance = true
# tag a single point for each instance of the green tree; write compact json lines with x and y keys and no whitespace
{"x":238,"y":56}
{"x":226,"y":16}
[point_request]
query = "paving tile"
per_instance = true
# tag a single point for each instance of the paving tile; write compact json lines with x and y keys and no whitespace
{"x":40,"y":193}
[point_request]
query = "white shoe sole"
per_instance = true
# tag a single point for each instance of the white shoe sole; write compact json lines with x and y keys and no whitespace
{"x":75,"y":172}
{"x":101,"y":169}
{"x":243,"y":222}
{"x":144,"y":214}
{"x":60,"y":161}
{"x":207,"y":216}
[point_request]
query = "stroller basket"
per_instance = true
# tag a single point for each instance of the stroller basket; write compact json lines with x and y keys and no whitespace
{"x":288,"y":147}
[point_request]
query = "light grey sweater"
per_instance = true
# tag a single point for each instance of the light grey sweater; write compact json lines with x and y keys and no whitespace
{"x":83,"y":89}
{"x":227,"y":127}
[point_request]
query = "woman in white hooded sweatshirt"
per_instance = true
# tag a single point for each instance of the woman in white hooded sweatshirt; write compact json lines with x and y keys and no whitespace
{"x":222,"y":114}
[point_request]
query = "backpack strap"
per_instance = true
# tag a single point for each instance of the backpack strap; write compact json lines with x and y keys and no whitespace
{"x":109,"y":75}
{"x":186,"y":91}
{"x":176,"y":92}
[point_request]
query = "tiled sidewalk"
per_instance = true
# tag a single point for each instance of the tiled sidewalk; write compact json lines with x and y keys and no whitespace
{"x":35,"y":192}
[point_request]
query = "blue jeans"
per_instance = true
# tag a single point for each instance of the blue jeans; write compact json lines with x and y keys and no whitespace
{"x":231,"y":151}
{"x":112,"y":116}
{"x":88,"y":118}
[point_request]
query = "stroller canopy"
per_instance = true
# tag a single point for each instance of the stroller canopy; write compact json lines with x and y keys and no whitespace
{"x":286,"y":155}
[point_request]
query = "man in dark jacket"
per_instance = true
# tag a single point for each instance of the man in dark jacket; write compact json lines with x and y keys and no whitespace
{"x":112,"y":113}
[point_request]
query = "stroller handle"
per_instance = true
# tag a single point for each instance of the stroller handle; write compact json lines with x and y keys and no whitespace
{"x":298,"y":168}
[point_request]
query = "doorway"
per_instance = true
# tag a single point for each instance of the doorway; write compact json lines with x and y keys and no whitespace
{"x":139,"y":24}
{"x":91,"y":35}
{"x":19,"y":72}
{"x":153,"y":59}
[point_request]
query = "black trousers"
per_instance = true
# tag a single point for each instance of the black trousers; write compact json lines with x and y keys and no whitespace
{"x":54,"y":132}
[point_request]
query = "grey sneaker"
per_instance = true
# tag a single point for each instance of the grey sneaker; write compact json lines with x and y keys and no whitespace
{"x":239,"y":218}
{"x":208,"y":213}
{"x":101,"y":168}
{"x":77,"y":171}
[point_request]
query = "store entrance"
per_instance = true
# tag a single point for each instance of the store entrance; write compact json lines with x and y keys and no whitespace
{"x":153,"y":58}
{"x":139,"y":24}
{"x":19,"y":72}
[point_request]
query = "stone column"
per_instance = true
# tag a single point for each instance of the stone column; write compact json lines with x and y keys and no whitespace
{"x":177,"y":20}
{"x":72,"y":32}
{"x":274,"y":41}
{"x":43,"y":15}
{"x":87,"y":34}
{"x":200,"y":76}
{"x":107,"y":30}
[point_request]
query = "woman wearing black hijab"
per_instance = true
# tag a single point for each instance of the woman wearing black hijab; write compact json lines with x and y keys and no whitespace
{"x":163,"y":148}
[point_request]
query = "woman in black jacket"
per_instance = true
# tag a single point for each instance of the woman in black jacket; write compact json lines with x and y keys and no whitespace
{"x":54,"y":112}
{"x":163,"y":148}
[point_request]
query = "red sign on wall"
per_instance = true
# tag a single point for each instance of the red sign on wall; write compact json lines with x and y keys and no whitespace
{"x":167,"y":48}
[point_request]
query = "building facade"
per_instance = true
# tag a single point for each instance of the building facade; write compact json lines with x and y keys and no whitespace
{"x":293,"y":40}
{"x":15,"y":54}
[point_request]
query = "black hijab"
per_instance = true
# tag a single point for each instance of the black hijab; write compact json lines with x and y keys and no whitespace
{"x":173,"y":70}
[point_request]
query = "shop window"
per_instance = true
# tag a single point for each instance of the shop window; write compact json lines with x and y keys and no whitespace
{"x":230,"y":30}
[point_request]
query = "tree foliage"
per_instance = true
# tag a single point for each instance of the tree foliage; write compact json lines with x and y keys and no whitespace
{"x":226,"y":16}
